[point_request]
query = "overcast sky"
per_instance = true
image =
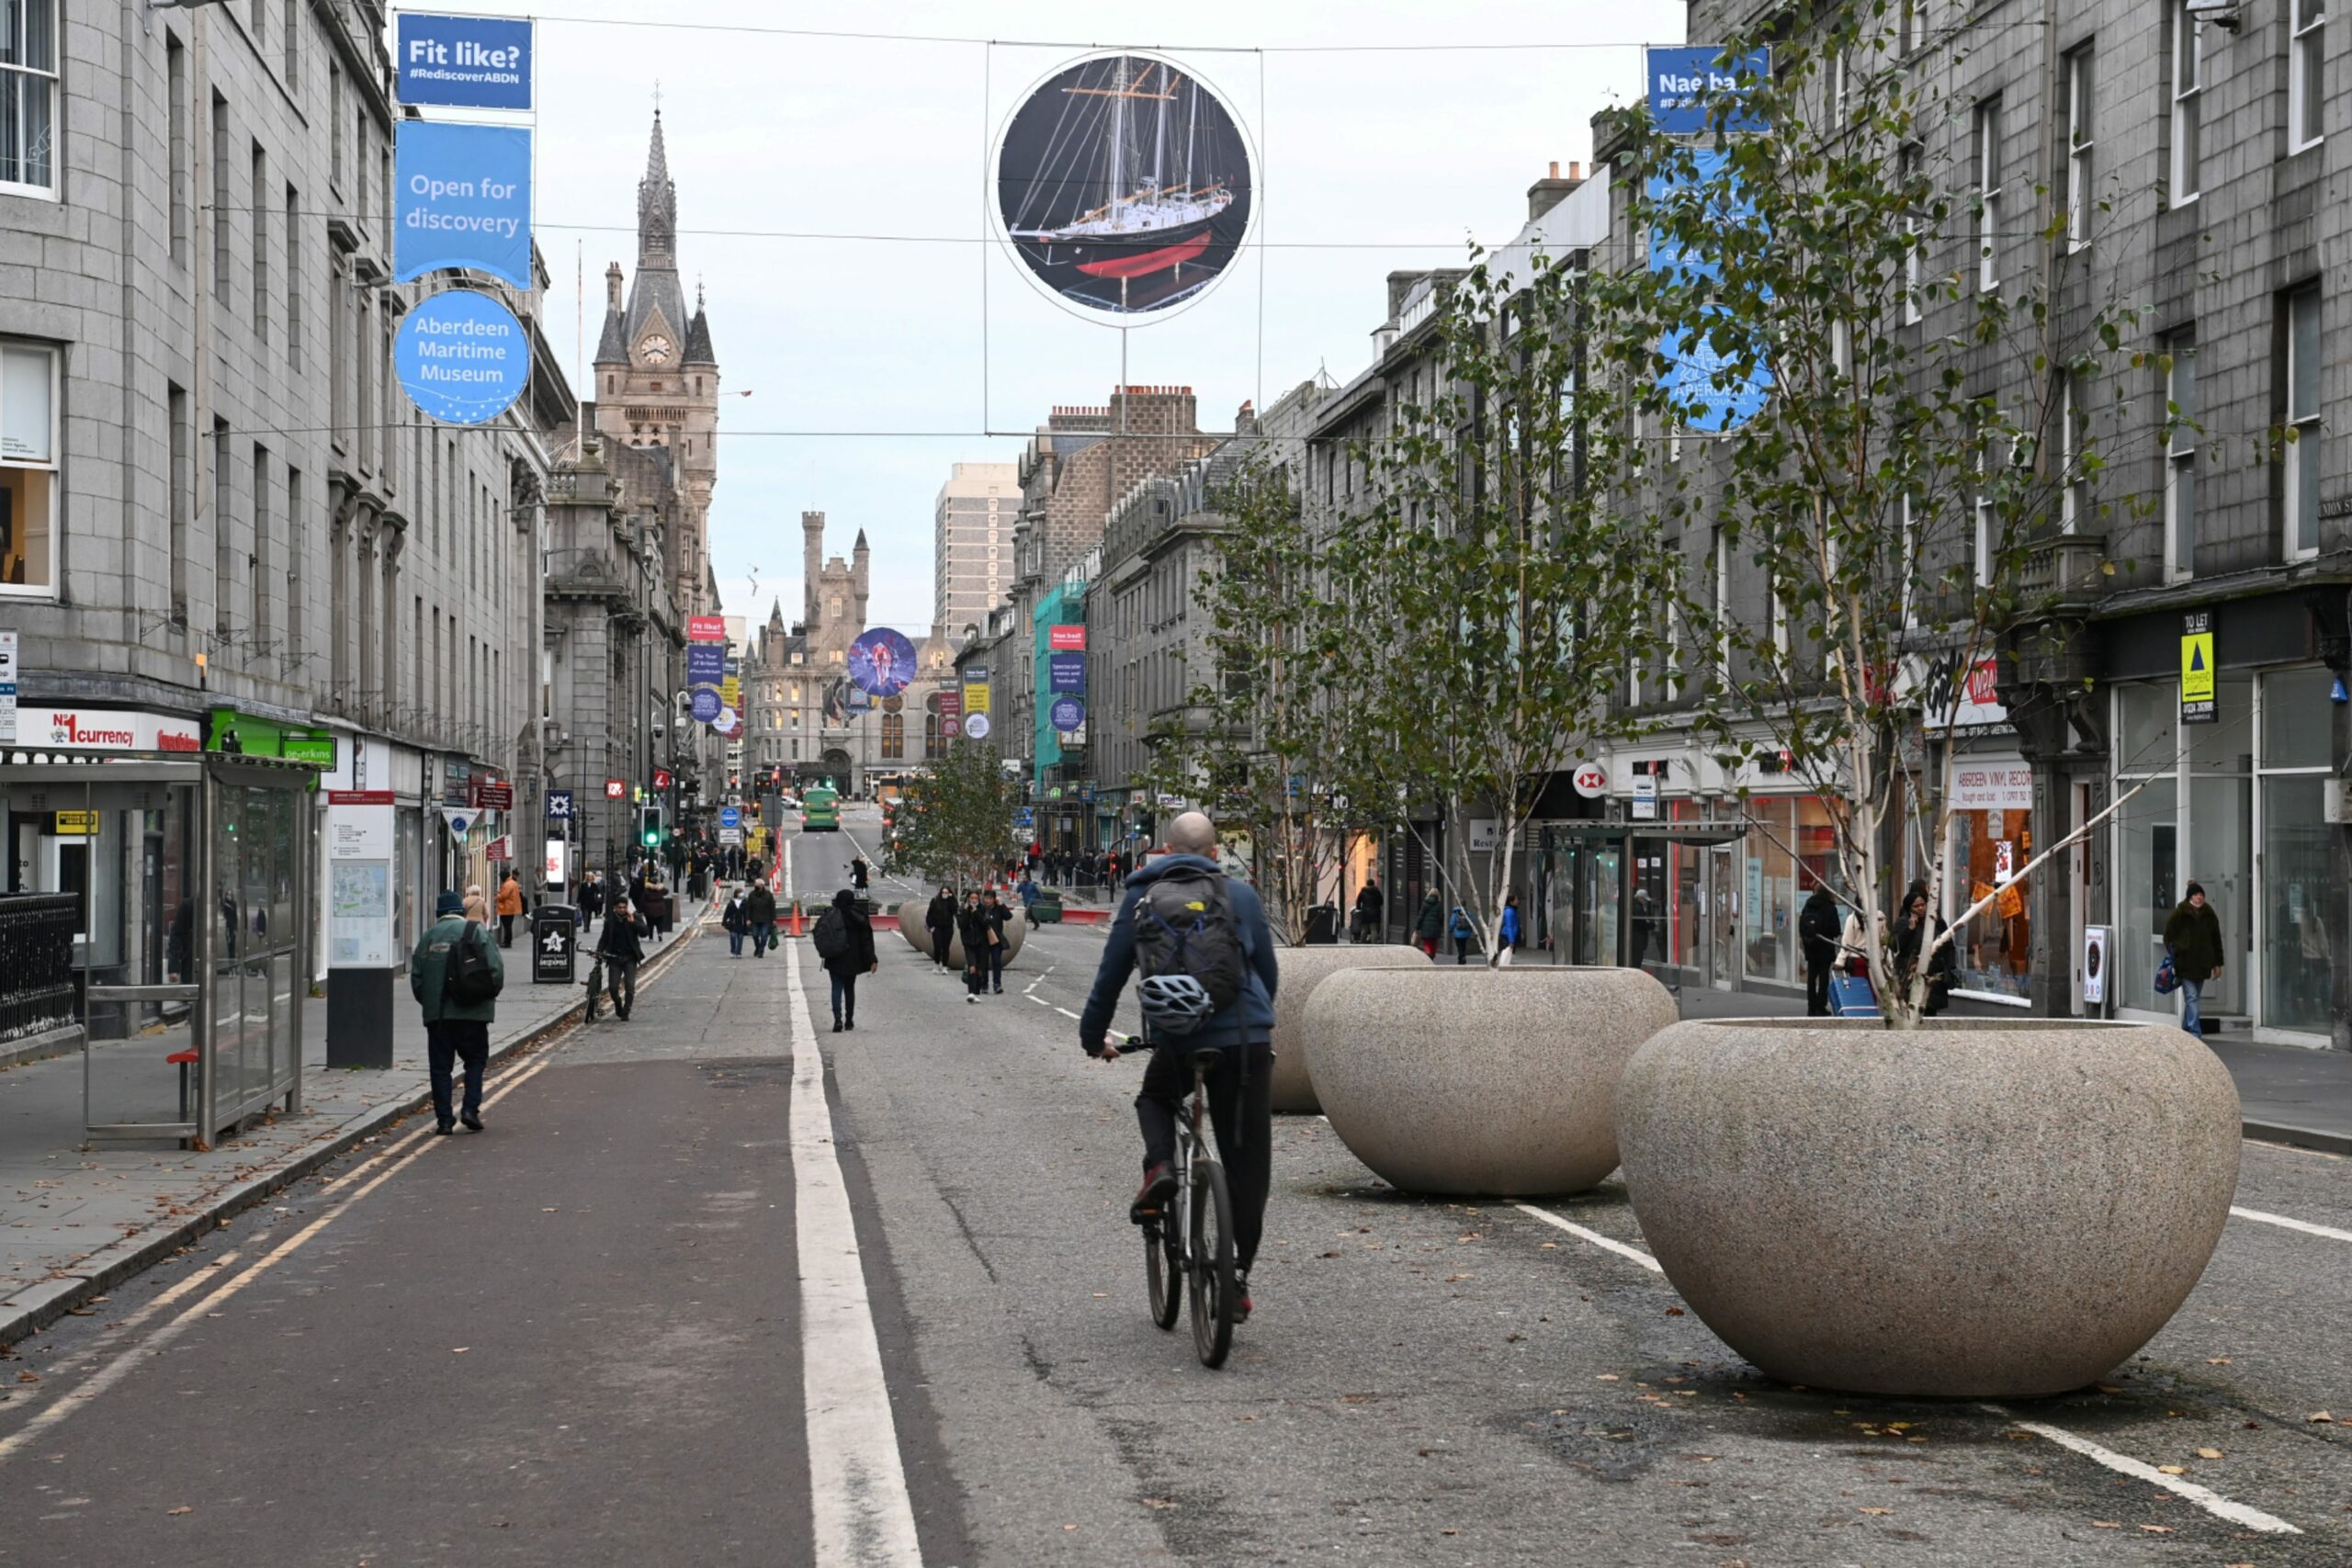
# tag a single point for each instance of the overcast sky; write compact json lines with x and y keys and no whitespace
{"x":1369,"y":161}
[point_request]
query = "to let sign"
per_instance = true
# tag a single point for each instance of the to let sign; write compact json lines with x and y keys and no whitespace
{"x":2197,"y":689}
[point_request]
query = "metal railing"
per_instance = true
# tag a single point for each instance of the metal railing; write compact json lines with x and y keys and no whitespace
{"x":37,"y":986}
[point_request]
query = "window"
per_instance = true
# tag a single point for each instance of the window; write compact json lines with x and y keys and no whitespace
{"x":335,"y":124}
{"x":28,"y":97}
{"x":894,"y":736}
{"x":2187,"y":103}
{"x":2181,"y":458}
{"x":289,"y":42}
{"x":225,"y":544}
{"x":258,"y":563}
{"x":2306,"y":84}
{"x":1913,"y":24}
{"x":1907,"y":518}
{"x":293,"y":276}
{"x":183,"y":487}
{"x":28,"y":467}
{"x":294,"y":584}
{"x":1988,"y":193}
{"x":2080,"y":200}
{"x":175,"y":111}
{"x":2074,"y":498}
{"x":222,"y":262}
{"x":2303,"y":448}
{"x":1915,"y":242}
{"x":260,"y":222}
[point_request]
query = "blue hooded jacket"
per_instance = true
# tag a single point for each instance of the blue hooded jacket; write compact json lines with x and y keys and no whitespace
{"x":1248,"y":1022}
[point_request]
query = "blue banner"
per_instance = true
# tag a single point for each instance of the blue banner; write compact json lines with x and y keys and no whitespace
{"x":706,"y":705}
{"x":1682,"y":81}
{"x":467,"y":63}
{"x":462,"y":357}
{"x":462,"y":197}
{"x":1695,"y":367}
{"x":1065,"y":673}
{"x":706,"y":664}
{"x":1067,"y":714}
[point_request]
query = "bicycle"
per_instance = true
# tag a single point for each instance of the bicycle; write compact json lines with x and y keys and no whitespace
{"x":595,"y":983}
{"x":1192,"y":1238}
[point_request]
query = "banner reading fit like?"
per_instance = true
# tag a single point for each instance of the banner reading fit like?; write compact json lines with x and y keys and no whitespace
{"x":463,"y":199}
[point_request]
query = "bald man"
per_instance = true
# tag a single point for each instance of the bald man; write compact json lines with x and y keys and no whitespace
{"x":1239,"y":1086}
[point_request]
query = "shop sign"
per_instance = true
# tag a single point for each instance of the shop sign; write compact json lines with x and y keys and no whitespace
{"x":492,"y":795}
{"x":558,"y":806}
{"x":1590,"y":778}
{"x":2096,"y":942}
{"x":76,"y":824}
{"x":1645,"y":797}
{"x":1482,"y":834}
{"x":2197,"y":701}
{"x":615,"y":789}
{"x":1980,"y":700}
{"x":7,"y":687}
{"x":108,"y":729}
{"x":661,"y":778}
{"x":2002,"y":784}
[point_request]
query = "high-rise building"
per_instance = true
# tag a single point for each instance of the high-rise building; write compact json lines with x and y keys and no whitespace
{"x":972,"y":550}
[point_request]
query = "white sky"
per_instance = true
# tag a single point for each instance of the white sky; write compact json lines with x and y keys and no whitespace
{"x":1409,"y":152}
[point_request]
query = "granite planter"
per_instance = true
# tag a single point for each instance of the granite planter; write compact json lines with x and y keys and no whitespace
{"x":1973,"y":1208}
{"x":1449,"y":1079}
{"x":1302,"y":969}
{"x":919,"y":938}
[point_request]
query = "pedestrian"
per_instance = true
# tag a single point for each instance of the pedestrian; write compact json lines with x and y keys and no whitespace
{"x":1917,"y":928}
{"x":1028,"y":891}
{"x":1464,"y":933}
{"x":1369,"y":903}
{"x":972,"y":926}
{"x":759,"y":918}
{"x":844,"y":942}
{"x":1818,"y":929}
{"x":1509,"y":929}
{"x":510,"y":904}
{"x":939,"y":921}
{"x":2193,"y":939}
{"x":732,"y":920}
{"x":591,"y":897}
{"x":456,"y":1025}
{"x":1431,"y":923}
{"x":477,"y":908}
{"x":998,"y":916}
{"x":857,"y":872}
{"x":621,"y":946}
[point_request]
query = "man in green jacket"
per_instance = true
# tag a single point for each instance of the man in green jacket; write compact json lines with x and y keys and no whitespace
{"x":454,"y":1030}
{"x":2194,"y":935}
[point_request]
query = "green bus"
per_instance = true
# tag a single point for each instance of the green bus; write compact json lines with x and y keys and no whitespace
{"x":820,"y":809}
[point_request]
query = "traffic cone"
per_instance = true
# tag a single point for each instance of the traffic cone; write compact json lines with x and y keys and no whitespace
{"x":794,"y":929}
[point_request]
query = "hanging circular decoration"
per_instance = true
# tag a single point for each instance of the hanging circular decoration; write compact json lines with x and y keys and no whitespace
{"x":1124,"y":183}
{"x":881,"y":662}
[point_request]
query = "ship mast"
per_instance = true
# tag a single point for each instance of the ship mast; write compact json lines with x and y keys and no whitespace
{"x":1191,"y":126}
{"x":1160,"y":139}
{"x":1119,"y":138}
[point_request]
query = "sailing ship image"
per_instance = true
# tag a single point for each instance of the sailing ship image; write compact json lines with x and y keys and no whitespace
{"x":1124,"y":184}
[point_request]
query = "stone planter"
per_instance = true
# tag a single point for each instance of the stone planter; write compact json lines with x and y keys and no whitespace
{"x":911,"y":926}
{"x":919,"y":938}
{"x":1975,"y":1209}
{"x":1302,"y":969}
{"x":1447,"y":1079}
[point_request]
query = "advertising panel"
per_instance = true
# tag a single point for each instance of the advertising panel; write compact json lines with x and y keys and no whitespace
{"x":461,"y":357}
{"x":881,"y":662}
{"x":465,"y":62}
{"x":1065,"y":673}
{"x":1682,"y":79}
{"x":462,"y":197}
{"x":1070,"y":639}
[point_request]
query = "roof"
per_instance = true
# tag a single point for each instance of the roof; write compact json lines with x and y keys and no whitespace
{"x":613,"y":344}
{"x":698,"y":349}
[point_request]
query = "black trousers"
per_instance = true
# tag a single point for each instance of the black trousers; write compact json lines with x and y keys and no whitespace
{"x":996,"y":966}
{"x":1816,"y":987}
{"x":505,"y":930}
{"x":845,"y":994}
{"x":620,"y":984}
{"x":446,"y":1044}
{"x":1242,"y":1108}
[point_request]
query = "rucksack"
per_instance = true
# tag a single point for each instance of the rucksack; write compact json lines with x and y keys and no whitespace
{"x":1184,"y":925}
{"x":469,"y":978}
{"x":831,"y":935}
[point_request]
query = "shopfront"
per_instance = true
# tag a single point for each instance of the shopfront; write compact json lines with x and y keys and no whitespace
{"x":1990,"y":800}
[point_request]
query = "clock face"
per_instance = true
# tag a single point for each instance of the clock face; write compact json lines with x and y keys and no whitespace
{"x":656,"y":349}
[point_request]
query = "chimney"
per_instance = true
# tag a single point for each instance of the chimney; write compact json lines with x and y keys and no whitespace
{"x":1399,"y":285}
{"x":1550,"y":190}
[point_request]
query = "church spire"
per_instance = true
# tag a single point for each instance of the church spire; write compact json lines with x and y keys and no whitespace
{"x":657,"y":207}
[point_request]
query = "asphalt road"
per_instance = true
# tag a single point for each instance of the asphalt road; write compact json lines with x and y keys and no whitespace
{"x":585,"y":1337}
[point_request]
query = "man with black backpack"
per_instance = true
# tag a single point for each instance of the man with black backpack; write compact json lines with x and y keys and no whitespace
{"x":1184,"y":921}
{"x":456,"y":975}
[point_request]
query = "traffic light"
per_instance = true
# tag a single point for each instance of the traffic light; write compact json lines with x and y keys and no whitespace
{"x":653,"y":833}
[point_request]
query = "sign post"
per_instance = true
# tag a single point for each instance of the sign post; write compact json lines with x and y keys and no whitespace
{"x":362,"y":947}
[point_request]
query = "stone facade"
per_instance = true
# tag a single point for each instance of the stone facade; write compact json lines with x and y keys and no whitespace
{"x":231,"y":504}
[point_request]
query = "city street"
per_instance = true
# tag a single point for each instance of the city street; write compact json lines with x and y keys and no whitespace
{"x":616,"y":1328}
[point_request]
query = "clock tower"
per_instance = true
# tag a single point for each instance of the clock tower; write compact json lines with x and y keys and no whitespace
{"x":656,"y":381}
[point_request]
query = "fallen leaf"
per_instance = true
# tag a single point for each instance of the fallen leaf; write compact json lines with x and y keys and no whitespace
{"x":2106,"y":1524}
{"x":1676,"y":1311}
{"x":183,"y":1508}
{"x":1606,"y":1377}
{"x":2108,"y":1388}
{"x":459,"y":1350}
{"x":2208,"y":1453}
{"x":1875,"y":1510}
{"x":1160,"y":1503}
{"x":2172,"y":1470}
{"x":2157,"y":1530}
{"x":2217,"y":1360}
{"x":2319,"y":1415}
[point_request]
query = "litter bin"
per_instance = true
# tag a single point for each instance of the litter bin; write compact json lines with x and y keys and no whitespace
{"x":1047,"y":910}
{"x":1322,"y":924}
{"x":555,"y":943}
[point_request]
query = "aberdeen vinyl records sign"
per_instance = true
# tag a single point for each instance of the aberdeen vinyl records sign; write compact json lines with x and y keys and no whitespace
{"x":1124,"y":184}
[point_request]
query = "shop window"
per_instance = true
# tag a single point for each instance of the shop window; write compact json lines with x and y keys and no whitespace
{"x":28,"y":467}
{"x":2298,"y":883}
{"x":1992,"y":839}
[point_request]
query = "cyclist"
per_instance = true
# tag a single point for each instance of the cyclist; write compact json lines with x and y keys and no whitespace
{"x":1238,"y":1088}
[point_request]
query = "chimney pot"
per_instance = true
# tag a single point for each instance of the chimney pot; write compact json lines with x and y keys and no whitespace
{"x":1556,"y":168}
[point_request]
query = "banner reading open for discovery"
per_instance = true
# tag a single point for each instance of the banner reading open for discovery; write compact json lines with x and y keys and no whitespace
{"x":463,"y":201}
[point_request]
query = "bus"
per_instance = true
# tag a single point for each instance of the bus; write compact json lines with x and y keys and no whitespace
{"x":820,"y":809}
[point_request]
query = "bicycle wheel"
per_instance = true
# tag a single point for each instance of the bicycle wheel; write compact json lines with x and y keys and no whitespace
{"x":1163,"y":1266}
{"x":1212,"y":1282}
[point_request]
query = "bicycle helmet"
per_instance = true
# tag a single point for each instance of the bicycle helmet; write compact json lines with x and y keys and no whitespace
{"x":1174,"y":1004}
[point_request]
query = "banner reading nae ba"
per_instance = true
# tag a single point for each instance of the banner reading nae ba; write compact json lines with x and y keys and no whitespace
{"x":463,"y":201}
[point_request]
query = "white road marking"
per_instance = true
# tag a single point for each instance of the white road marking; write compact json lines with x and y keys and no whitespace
{"x":861,"y":1515}
{"x":1039,"y":980}
{"x":1066,"y":1013}
{"x":2304,"y":1225}
{"x":2123,"y":1464}
{"x":1605,"y":1243}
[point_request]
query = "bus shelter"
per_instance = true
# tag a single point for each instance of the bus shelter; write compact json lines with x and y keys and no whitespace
{"x":1609,"y":897}
{"x":163,"y":904}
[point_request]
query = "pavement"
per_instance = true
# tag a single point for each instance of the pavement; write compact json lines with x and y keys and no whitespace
{"x":722,"y":1286}
{"x":76,"y":1216}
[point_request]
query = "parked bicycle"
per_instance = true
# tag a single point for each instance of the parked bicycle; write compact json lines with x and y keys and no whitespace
{"x":1191,"y":1241}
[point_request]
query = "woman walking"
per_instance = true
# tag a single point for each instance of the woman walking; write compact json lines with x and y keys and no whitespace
{"x":972,"y":925}
{"x":1429,"y":924}
{"x":847,"y":950}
